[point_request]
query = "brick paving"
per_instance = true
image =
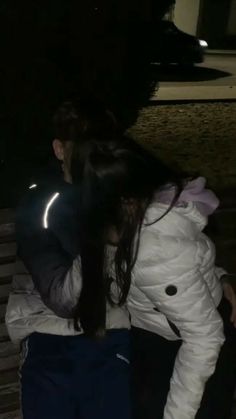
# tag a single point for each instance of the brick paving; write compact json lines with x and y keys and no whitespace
{"x":198,"y":137}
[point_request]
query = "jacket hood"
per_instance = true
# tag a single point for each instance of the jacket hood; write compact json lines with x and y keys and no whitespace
{"x":194,"y":191}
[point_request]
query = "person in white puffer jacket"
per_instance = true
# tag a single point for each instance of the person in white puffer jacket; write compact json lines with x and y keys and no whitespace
{"x":165,"y":266}
{"x":174,"y":292}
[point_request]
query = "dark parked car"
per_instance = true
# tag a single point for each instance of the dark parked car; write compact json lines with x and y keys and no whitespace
{"x":173,"y":46}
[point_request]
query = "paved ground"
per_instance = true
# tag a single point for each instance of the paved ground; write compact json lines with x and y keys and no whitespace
{"x":213,"y":79}
{"x":198,"y":137}
{"x":217,"y":70}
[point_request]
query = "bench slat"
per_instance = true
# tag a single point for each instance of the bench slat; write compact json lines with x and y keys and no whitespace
{"x":5,"y":291}
{"x":3,"y":332}
{"x":11,"y":415}
{"x":7,"y":249}
{"x":8,"y":348}
{"x":9,"y":377}
{"x":7,"y":215}
{"x":2,"y":311}
{"x":7,"y":229}
{"x":9,"y":269}
{"x":9,"y":362}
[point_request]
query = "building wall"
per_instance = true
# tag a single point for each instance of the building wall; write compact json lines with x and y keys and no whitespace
{"x":218,"y":24}
{"x":231,"y":29}
{"x":186,"y":15}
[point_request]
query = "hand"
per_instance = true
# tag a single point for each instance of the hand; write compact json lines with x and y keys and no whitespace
{"x":230,"y":295}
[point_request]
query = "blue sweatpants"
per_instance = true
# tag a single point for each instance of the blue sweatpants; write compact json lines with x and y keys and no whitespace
{"x":75,"y":377}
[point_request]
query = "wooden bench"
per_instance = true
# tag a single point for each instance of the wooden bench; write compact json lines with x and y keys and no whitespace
{"x":9,"y":353}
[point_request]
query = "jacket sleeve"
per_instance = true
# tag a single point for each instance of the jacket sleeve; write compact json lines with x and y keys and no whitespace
{"x":169,"y":276}
{"x":54,"y":273}
{"x":220,"y":272}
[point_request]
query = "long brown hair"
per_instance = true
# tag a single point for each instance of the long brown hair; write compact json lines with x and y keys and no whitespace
{"x":110,"y":175}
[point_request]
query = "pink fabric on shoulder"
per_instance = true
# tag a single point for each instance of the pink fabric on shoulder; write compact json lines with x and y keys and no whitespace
{"x":194,"y":191}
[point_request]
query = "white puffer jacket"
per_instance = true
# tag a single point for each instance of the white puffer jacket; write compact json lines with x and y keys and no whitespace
{"x":175,"y":273}
{"x":27,"y":313}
